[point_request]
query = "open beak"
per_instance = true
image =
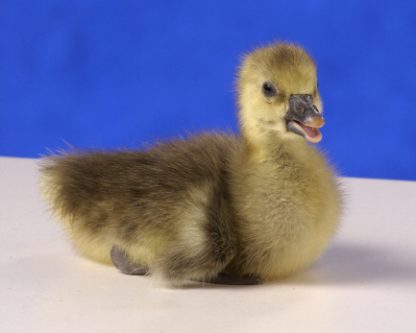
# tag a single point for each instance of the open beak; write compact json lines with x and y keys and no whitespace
{"x":303,"y":118}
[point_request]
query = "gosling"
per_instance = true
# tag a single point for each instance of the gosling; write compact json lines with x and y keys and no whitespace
{"x":233,"y":209}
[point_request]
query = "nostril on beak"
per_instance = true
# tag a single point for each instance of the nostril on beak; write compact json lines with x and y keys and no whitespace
{"x":316,"y":109}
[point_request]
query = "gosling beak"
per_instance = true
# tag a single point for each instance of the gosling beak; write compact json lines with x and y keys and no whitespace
{"x":303,"y":118}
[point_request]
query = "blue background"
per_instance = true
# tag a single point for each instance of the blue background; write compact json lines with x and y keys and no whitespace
{"x":112,"y":74}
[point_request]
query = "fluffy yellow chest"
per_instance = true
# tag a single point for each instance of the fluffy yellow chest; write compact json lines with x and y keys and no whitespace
{"x":288,"y":214}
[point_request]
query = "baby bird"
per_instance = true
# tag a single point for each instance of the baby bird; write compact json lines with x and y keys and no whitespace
{"x":234,"y":209}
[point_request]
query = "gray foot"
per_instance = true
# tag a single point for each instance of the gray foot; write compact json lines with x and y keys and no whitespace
{"x":223,"y":278}
{"x":122,"y":262}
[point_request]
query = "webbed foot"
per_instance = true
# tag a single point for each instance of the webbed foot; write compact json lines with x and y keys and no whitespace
{"x":122,"y":262}
{"x":224,"y":278}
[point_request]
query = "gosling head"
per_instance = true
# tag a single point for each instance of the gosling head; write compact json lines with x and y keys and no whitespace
{"x":279,"y":94}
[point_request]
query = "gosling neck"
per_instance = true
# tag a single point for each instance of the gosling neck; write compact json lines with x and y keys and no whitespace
{"x":264,"y":142}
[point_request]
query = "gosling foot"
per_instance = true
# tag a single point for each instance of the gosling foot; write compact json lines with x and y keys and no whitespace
{"x":122,"y":262}
{"x":223,"y":278}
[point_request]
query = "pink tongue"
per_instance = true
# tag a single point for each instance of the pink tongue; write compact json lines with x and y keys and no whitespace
{"x":310,"y":131}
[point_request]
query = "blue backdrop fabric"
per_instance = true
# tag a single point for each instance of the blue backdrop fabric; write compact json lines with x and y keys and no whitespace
{"x":115,"y":74}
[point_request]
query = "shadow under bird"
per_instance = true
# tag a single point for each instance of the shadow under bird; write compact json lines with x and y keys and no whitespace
{"x":233,"y":209}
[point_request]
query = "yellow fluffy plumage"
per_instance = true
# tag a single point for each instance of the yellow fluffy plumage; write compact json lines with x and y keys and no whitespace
{"x":217,"y":208}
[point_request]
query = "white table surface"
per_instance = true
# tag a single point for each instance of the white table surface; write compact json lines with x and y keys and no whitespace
{"x":365,"y":282}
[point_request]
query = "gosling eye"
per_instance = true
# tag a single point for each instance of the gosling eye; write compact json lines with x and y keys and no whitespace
{"x":269,"y":90}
